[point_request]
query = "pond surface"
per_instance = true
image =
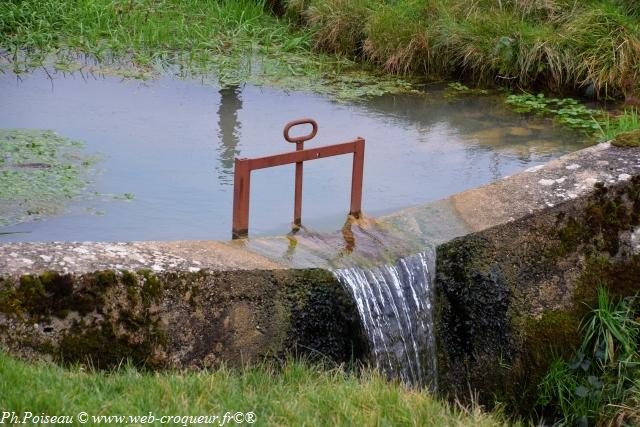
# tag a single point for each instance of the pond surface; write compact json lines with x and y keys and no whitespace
{"x":171,"y":144}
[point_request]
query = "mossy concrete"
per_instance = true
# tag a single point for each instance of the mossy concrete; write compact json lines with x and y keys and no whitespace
{"x":510,"y":298}
{"x":178,"y":319}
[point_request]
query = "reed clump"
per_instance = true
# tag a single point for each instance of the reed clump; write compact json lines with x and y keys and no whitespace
{"x":593,"y":45}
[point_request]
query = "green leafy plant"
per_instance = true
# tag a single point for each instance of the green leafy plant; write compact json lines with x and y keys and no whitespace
{"x":566,"y":111}
{"x":605,"y":372}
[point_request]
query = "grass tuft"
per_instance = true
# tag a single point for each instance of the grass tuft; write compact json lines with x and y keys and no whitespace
{"x":602,"y":383}
{"x":561,"y":44}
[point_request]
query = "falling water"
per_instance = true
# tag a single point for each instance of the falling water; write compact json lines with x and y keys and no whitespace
{"x":395,"y":305}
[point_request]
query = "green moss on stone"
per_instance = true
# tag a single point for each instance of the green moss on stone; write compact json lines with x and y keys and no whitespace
{"x":31,"y":288}
{"x":555,"y":333}
{"x":130,"y":280}
{"x":570,"y":237}
{"x":102,"y":346}
{"x":627,"y":139}
{"x":621,"y":278}
{"x":597,"y":228}
{"x":323,"y":319}
{"x":10,"y":303}
{"x":105,"y":279}
{"x":151,"y":288}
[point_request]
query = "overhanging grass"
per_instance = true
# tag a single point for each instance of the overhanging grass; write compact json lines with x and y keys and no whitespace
{"x":298,"y":394}
{"x":236,"y":40}
{"x":559,"y":45}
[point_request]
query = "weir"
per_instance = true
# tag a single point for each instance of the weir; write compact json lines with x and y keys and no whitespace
{"x":518,"y":261}
{"x":395,"y":303}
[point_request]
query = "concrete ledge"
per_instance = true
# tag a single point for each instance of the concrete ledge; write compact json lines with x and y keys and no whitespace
{"x":88,"y":257}
{"x":534,"y":190}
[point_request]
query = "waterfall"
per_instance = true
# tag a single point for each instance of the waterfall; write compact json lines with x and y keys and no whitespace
{"x":396,"y":308}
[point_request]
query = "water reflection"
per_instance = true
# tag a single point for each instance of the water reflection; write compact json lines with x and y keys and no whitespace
{"x":156,"y":142}
{"x":229,"y":128}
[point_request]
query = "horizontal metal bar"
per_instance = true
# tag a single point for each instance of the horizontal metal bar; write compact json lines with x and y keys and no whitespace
{"x":301,"y":156}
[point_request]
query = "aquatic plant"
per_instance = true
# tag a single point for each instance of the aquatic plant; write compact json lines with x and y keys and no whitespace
{"x":612,"y":126}
{"x":40,"y":172}
{"x":603,"y":379}
{"x":567,"y":111}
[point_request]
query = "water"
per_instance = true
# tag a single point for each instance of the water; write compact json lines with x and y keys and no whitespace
{"x":396,"y":310}
{"x":171,"y":143}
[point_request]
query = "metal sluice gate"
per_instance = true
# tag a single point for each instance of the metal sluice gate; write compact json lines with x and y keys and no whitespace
{"x":244,"y":166}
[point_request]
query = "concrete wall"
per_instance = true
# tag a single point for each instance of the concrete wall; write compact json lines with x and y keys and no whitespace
{"x":178,"y":319}
{"x":517,"y":261}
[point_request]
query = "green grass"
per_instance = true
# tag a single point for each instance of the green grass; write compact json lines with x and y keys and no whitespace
{"x":297,"y":394}
{"x":602,"y":384}
{"x":626,"y":122}
{"x":561,"y":45}
{"x":237,"y":40}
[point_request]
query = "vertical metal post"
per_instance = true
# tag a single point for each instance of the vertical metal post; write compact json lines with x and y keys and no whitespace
{"x":243,"y":168}
{"x":297,"y":204}
{"x":299,"y":141}
{"x":356,"y":178}
{"x":241,"y":189}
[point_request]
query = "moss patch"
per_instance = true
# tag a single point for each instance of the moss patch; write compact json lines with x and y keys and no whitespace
{"x":627,"y":139}
{"x":511,"y":298}
{"x":597,"y":227}
{"x":52,"y":294}
{"x":619,"y":276}
{"x":323,"y":319}
{"x":151,"y":287}
{"x":103,"y":346}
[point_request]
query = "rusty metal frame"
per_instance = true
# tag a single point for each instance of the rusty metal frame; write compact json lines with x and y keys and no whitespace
{"x":244,"y":167}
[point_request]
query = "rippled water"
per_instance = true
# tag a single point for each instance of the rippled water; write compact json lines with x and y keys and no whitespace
{"x":171,"y":143}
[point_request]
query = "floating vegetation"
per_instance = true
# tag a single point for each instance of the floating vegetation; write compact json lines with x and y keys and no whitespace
{"x":235,"y":41}
{"x":566,"y":111}
{"x":40,"y":172}
{"x":455,"y":89}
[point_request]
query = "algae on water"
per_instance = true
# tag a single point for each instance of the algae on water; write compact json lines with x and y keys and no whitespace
{"x":40,"y":172}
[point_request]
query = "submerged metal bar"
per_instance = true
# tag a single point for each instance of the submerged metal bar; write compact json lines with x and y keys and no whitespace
{"x":243,"y":168}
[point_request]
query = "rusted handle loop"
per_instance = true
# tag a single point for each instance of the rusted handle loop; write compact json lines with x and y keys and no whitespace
{"x":302,"y":138}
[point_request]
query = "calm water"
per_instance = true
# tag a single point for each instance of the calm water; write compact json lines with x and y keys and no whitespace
{"x":171,"y":143}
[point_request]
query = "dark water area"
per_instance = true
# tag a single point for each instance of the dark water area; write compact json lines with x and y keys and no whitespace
{"x":171,"y":143}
